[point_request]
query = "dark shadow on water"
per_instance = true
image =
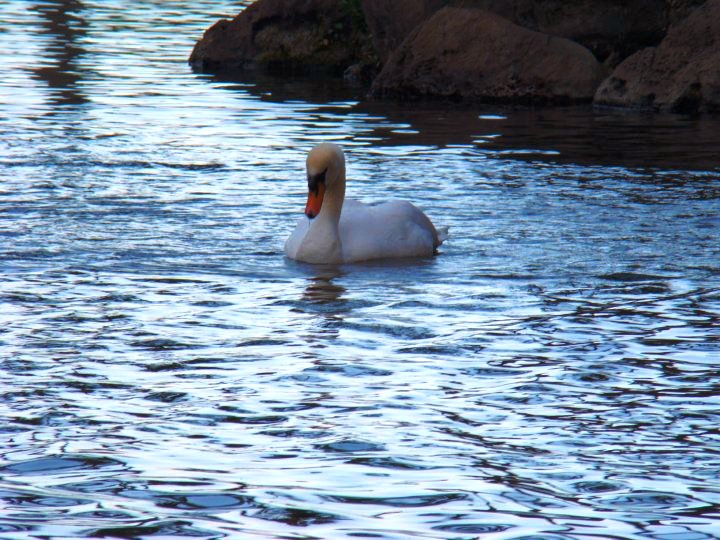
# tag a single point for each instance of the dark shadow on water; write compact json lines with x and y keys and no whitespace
{"x":275,"y":89}
{"x":573,"y":135}
{"x":630,"y":139}
{"x":63,"y":22}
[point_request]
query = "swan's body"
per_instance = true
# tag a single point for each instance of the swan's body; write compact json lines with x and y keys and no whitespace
{"x":338,"y":230}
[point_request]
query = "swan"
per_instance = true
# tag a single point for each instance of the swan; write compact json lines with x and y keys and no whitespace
{"x":337,"y":230}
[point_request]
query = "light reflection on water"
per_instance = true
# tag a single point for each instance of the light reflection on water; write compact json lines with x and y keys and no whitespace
{"x":166,"y":372}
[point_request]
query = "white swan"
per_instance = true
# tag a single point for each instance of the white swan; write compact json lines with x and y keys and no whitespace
{"x":338,"y":230}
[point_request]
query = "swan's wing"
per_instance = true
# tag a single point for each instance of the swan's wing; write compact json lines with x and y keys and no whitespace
{"x":387,"y":230}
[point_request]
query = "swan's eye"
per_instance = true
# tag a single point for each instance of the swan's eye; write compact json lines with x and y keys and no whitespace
{"x":315,"y":180}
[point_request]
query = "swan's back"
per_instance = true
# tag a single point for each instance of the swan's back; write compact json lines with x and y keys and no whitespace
{"x":388,"y":230}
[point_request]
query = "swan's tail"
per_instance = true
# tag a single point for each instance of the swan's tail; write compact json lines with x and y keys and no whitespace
{"x":442,"y":235}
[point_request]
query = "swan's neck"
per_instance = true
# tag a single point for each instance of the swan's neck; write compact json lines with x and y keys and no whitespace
{"x":333,"y":201}
{"x":324,"y":245}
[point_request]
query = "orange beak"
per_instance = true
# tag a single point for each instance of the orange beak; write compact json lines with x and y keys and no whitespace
{"x":315,"y":200}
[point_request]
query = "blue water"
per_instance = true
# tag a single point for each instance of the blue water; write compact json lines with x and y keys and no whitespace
{"x":553,"y":372}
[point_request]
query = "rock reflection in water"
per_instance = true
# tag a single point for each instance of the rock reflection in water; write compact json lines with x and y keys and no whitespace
{"x":63,"y":22}
{"x":562,"y":135}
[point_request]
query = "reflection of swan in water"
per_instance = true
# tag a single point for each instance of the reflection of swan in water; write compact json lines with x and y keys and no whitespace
{"x":338,"y":230}
{"x":321,"y":290}
{"x":324,"y":300}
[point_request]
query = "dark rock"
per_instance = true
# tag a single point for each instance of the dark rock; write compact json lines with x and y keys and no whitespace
{"x":390,"y":22}
{"x":612,"y":30}
{"x":361,"y":74}
{"x":285,"y":35}
{"x":471,"y":53}
{"x":682,"y":74}
{"x":677,"y":10}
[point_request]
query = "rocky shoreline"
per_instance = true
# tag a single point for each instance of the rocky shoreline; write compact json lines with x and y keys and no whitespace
{"x":661,"y":55}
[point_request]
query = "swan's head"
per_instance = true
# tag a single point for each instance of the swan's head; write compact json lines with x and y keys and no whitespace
{"x":325,"y":171}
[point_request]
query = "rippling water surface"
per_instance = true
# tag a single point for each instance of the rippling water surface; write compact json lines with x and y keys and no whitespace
{"x":553,"y":373}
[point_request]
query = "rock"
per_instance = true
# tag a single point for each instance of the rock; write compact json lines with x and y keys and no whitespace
{"x":285,"y":35}
{"x":612,"y":30}
{"x":680,"y":9}
{"x":361,"y":74}
{"x":390,"y":22}
{"x":471,"y":53}
{"x":681,"y":75}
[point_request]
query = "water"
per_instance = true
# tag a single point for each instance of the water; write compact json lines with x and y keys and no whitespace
{"x":165,"y":372}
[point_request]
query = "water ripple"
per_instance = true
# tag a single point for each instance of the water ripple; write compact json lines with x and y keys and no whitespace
{"x":552,"y":373}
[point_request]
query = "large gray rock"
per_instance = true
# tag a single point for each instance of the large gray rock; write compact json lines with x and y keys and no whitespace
{"x":471,"y":53}
{"x":287,"y":35}
{"x":682,"y":74}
